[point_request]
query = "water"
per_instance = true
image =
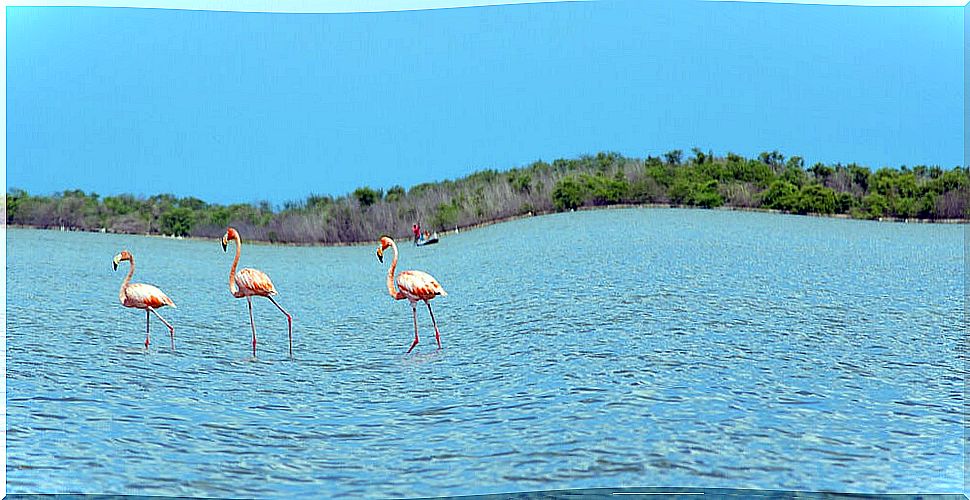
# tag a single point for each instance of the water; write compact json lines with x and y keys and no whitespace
{"x":613,"y":348}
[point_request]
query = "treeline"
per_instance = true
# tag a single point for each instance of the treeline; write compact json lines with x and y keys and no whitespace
{"x":701,"y":180}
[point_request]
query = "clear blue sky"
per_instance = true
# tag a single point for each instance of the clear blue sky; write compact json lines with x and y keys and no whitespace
{"x":242,"y":107}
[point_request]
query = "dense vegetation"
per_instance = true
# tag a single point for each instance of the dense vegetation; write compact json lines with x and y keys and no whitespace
{"x":702,"y":180}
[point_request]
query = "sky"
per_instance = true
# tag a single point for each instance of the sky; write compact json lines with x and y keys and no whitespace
{"x":242,"y":107}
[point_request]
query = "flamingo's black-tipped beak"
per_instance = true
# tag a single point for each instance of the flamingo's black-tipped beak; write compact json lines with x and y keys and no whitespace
{"x":224,"y":247}
{"x":114,"y":264}
{"x":380,"y":257}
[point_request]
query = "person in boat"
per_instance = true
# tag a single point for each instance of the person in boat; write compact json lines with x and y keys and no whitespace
{"x":416,"y":229}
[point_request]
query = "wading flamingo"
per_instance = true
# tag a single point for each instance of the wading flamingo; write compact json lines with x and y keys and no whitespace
{"x":414,"y":286}
{"x":250,"y":282}
{"x":142,"y":296}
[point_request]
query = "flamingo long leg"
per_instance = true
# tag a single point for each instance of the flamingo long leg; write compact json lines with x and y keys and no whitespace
{"x":147,"y":328}
{"x":289,"y":321}
{"x":171,"y":329}
{"x":414,"y":310}
{"x":437,"y":336}
{"x":252,"y":322}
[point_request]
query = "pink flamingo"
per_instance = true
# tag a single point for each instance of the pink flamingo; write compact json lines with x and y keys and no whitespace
{"x":250,"y":282}
{"x":142,"y":296}
{"x":414,"y":286}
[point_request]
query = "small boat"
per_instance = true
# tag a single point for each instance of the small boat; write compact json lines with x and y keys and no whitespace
{"x":427,"y":241}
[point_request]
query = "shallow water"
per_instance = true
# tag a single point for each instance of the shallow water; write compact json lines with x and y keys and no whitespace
{"x":635,"y":347}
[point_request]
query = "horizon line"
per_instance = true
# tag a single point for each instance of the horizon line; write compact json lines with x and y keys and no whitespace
{"x":861,"y":3}
{"x":285,"y":7}
{"x":375,"y":6}
{"x":685,"y":162}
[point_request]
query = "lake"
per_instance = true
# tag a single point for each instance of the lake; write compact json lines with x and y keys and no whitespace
{"x":628,"y":347}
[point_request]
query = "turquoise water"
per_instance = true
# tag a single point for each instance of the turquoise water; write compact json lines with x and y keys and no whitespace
{"x":633,"y":347}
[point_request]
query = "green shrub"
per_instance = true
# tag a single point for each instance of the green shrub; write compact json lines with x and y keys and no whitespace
{"x":645,"y":190}
{"x":674,"y":157}
{"x":121,"y":205}
{"x":882,"y":182}
{"x":367,"y":196}
{"x":794,"y":175}
{"x":568,"y":194}
{"x":521,"y":181}
{"x":662,"y":174}
{"x":446,"y":215}
{"x":926,"y":207}
{"x":876,"y":205}
{"x":708,"y":196}
{"x":905,"y":207}
{"x":177,"y":221}
{"x":192,"y":203}
{"x":605,"y":191}
{"x":816,"y":199}
{"x":703,"y":194}
{"x":14,"y":200}
{"x":844,"y":202}
{"x":781,"y":195}
{"x":680,"y":192}
{"x":750,"y":171}
{"x":394,"y":194}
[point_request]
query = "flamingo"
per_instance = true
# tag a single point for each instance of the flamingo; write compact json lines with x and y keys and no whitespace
{"x":142,"y":296}
{"x":414,"y":286}
{"x":250,"y":282}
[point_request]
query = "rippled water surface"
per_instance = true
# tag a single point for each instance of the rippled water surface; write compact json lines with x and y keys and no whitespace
{"x":631,"y":347}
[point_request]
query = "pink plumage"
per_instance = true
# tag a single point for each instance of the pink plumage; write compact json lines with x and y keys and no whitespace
{"x":411,"y":285}
{"x":142,"y":296}
{"x":251,"y":282}
{"x":419,"y":285}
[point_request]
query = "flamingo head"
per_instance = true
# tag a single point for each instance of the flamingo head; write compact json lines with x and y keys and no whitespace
{"x":386,"y":241}
{"x":231,"y":234}
{"x":124,"y":255}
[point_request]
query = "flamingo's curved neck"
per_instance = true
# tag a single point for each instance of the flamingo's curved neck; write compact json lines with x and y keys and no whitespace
{"x":124,"y":284}
{"x":235,"y":262}
{"x":391,"y":289}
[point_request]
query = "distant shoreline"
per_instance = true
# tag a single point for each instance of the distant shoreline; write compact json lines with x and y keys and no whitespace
{"x":512,"y":218}
{"x":768,"y":183}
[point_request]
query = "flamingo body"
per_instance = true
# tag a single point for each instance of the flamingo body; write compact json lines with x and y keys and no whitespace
{"x":411,"y":285}
{"x":419,"y":285}
{"x":253,"y":282}
{"x":142,"y":296}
